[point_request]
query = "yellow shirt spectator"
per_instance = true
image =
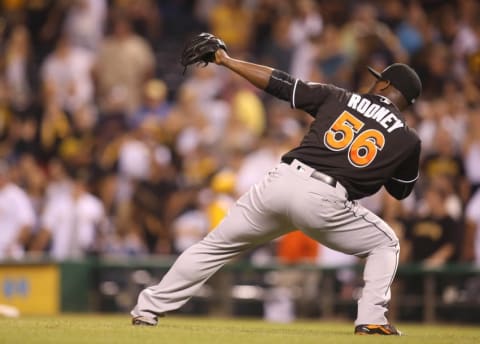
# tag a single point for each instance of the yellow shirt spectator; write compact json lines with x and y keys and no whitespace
{"x":248,"y":108}
{"x":231,"y":21}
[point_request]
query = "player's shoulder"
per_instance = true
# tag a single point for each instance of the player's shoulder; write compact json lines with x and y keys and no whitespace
{"x":413,"y":133}
{"x":381,"y":100}
{"x":409,"y":138}
{"x":333,"y":90}
{"x":410,"y":141}
{"x":413,"y":136}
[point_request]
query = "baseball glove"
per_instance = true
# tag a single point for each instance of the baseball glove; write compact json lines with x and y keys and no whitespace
{"x":201,"y":49}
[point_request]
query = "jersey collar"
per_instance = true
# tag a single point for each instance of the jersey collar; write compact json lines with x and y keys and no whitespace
{"x":386,"y":101}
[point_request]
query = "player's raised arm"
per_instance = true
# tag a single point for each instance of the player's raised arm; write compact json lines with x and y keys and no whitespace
{"x":257,"y":74}
{"x":206,"y":48}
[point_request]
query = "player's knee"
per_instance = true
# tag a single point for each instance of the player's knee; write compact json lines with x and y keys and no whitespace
{"x":392,"y":246}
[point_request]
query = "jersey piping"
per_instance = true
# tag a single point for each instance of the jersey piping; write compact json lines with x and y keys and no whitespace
{"x":406,"y":181}
{"x":293,"y":93}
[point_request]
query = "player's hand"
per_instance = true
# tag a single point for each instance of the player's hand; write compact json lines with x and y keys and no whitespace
{"x":202,"y":49}
{"x":220,"y":57}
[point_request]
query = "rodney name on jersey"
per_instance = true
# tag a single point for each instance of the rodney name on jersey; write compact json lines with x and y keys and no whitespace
{"x":381,"y":114}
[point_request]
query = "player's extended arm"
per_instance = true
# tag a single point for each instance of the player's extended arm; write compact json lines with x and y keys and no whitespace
{"x":206,"y":48}
{"x":301,"y":95}
{"x":258,"y":75}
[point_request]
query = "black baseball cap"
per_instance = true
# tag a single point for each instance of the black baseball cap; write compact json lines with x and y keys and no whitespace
{"x":403,"y":78}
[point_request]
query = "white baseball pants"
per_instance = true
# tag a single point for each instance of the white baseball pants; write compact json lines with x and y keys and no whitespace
{"x":287,"y":198}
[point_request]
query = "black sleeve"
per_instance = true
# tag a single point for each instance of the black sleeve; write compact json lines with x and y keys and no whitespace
{"x":301,"y":95}
{"x":402,"y":182}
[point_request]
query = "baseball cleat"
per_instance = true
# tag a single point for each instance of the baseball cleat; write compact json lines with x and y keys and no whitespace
{"x":386,"y":330}
{"x":144,"y":321}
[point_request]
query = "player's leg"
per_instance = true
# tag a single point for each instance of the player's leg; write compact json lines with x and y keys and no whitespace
{"x":350,"y":228}
{"x":253,"y":220}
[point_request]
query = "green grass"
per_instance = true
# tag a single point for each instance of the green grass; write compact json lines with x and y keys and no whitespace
{"x":96,"y":329}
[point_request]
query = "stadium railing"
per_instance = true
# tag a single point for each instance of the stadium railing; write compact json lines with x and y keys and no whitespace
{"x":446,"y":293}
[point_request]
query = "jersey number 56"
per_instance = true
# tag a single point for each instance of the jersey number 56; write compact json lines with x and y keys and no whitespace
{"x":345,"y":134}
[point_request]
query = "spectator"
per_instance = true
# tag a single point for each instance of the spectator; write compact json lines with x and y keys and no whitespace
{"x":33,"y":180}
{"x":20,"y":70}
{"x":219,"y":197}
{"x":256,"y":163}
{"x":278,"y":51}
{"x":293,"y":249}
{"x":60,"y":184}
{"x":472,"y":150}
{"x":84,"y":23}
{"x":411,"y":30}
{"x":203,"y":90}
{"x":146,"y":18}
{"x":471,"y":249}
{"x":206,"y":83}
{"x":6,"y":120}
{"x":189,"y":227}
{"x":17,"y":217}
{"x":154,"y":105}
{"x":24,"y":137}
{"x":191,"y":136}
{"x":346,"y":279}
{"x":306,"y":25}
{"x":246,"y":106}
{"x":331,"y":58}
{"x":136,"y":153}
{"x":458,"y":32}
{"x":154,"y":204}
{"x":296,"y":248}
{"x":118,"y":85}
{"x":66,"y":73}
{"x":53,"y":127}
{"x":268,"y":14}
{"x":76,"y":149}
{"x":367,"y":37}
{"x":453,"y":203}
{"x":224,"y":19}
{"x":445,"y":160}
{"x":43,"y":20}
{"x":431,"y":238}
{"x":70,"y":223}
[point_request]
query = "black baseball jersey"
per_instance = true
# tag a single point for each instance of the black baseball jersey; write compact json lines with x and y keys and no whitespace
{"x":428,"y":234}
{"x":359,"y":139}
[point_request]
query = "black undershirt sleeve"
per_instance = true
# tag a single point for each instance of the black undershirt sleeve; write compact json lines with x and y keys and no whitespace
{"x":281,"y":85}
{"x":301,"y":95}
{"x":403,"y":181}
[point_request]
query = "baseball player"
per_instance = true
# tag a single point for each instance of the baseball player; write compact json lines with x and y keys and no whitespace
{"x":356,"y":144}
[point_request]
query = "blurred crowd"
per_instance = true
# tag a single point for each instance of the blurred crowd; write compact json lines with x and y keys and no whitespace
{"x":107,"y":149}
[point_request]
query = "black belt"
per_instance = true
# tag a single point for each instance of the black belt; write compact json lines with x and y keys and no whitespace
{"x":325,"y":178}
